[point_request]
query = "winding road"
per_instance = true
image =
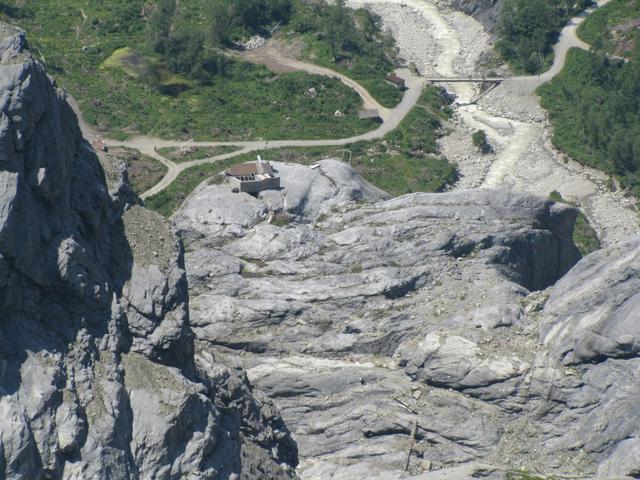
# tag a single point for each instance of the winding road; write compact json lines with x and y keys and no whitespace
{"x":391,"y":117}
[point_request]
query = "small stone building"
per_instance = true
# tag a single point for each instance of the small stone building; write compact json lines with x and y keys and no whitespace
{"x":370,"y":114}
{"x":99,"y":145}
{"x":253,"y":177}
{"x":396,"y":81}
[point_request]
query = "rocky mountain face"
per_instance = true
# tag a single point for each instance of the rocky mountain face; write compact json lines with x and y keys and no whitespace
{"x":422,"y":336}
{"x":486,"y":12}
{"x":99,"y":377}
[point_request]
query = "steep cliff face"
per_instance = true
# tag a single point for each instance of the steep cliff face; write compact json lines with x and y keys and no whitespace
{"x":98,"y":373}
{"x":377,"y":323}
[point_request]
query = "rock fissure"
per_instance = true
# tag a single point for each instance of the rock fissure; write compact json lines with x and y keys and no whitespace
{"x":98,"y":376}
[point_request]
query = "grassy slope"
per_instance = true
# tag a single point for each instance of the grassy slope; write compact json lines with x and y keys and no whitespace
{"x":143,"y":171}
{"x":405,"y":161}
{"x":75,"y":37}
{"x":369,"y":70}
{"x":178,"y":156}
{"x":596,"y":29}
{"x":594,"y":105}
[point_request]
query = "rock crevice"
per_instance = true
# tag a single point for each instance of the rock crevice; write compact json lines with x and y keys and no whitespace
{"x":98,"y":375}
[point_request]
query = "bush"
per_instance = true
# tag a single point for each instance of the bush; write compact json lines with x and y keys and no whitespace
{"x":479,"y":139}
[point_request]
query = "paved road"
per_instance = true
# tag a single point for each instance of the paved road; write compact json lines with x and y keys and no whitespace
{"x":391,"y":117}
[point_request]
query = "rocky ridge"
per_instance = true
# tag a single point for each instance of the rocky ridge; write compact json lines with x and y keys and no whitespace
{"x":486,"y":12}
{"x":99,"y":377}
{"x":427,"y":323}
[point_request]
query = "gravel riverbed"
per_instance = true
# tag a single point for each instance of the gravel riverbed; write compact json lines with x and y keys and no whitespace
{"x":439,"y":41}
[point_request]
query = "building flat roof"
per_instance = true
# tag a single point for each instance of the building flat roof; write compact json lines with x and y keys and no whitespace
{"x":250,"y":168}
{"x":393,"y":78}
{"x":371,"y":113}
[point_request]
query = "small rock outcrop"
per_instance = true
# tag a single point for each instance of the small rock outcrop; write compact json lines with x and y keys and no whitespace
{"x":99,"y":377}
{"x":486,"y":12}
{"x":375,"y":324}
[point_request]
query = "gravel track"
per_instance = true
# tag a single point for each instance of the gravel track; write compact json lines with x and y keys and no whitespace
{"x":391,"y":118}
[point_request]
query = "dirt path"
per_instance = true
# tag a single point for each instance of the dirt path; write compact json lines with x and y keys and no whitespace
{"x":279,"y":57}
{"x":391,"y":119}
{"x":517,"y":127}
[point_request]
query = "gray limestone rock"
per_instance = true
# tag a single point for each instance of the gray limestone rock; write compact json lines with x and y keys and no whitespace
{"x":98,"y":376}
{"x":486,"y":11}
{"x":592,"y":309}
{"x":377,"y":318}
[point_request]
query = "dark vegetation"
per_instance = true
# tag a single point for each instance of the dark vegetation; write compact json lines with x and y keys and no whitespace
{"x":404,"y":161}
{"x":584,"y":236}
{"x":159,"y":67}
{"x":349,"y":41}
{"x":614,"y":29}
{"x":594,"y":105}
{"x":479,"y":139}
{"x":191,"y":36}
{"x":529,"y":28}
{"x":143,"y":171}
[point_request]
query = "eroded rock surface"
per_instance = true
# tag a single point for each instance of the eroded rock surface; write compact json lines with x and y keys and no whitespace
{"x":486,"y":11}
{"x":98,"y":373}
{"x":429,"y":320}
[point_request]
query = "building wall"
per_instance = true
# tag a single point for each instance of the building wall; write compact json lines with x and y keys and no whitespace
{"x":258,"y":185}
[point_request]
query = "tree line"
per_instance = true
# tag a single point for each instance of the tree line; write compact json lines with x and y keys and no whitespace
{"x":528,"y":29}
{"x":195,"y":48}
{"x":595,"y":108}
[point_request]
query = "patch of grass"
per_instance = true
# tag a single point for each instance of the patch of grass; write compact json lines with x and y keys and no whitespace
{"x":119,"y":135}
{"x":351,"y":42}
{"x":584,"y":236}
{"x":356,"y":268}
{"x":612,"y":28}
{"x":143,"y":171}
{"x":127,"y":60}
{"x":594,"y":106}
{"x":94,"y":50}
{"x":179,"y":155}
{"x":247,"y":274}
{"x":523,"y":475}
{"x":404,"y":161}
{"x":281,"y":220}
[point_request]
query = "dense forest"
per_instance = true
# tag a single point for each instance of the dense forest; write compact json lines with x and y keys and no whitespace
{"x":594,"y":105}
{"x":529,"y":28}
